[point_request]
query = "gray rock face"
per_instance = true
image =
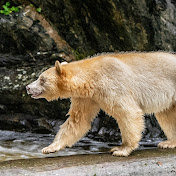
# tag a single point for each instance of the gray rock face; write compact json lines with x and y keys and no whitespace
{"x":31,"y":42}
{"x":22,"y":35}
{"x":99,"y":26}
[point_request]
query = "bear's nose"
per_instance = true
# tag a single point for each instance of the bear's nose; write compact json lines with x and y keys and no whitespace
{"x":27,"y":88}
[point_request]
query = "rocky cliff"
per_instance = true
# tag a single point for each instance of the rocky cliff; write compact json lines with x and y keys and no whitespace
{"x":31,"y":41}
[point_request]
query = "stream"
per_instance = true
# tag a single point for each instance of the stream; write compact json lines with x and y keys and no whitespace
{"x":16,"y":145}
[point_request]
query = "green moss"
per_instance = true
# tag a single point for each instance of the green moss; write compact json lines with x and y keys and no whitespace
{"x":79,"y":55}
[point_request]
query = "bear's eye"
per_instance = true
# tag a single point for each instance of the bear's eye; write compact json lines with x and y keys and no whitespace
{"x":42,"y":81}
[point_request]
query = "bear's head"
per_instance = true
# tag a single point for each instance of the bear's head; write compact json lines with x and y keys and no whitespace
{"x":50,"y":84}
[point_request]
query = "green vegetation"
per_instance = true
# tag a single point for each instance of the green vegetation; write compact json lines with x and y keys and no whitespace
{"x":79,"y":55}
{"x":7,"y":9}
{"x":39,"y":10}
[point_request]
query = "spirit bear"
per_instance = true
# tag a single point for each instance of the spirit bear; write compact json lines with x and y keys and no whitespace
{"x":124,"y":85}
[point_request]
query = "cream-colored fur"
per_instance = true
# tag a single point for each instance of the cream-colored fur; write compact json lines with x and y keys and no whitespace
{"x":124,"y":85}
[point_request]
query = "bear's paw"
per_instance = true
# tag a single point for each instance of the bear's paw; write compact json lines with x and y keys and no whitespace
{"x":167,"y":144}
{"x":122,"y":150}
{"x":51,"y":149}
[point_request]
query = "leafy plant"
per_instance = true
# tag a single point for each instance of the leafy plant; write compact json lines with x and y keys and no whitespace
{"x":39,"y":10}
{"x":7,"y":9}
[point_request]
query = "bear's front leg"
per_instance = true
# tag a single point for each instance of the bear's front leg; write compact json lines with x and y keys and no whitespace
{"x":131,"y":127}
{"x":82,"y":111}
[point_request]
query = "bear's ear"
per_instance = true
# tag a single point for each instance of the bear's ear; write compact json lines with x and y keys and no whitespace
{"x":58,"y":67}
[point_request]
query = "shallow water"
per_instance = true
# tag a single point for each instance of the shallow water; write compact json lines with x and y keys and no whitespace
{"x":16,"y":145}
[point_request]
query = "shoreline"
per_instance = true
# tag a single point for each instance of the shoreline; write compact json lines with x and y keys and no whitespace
{"x":141,"y":162}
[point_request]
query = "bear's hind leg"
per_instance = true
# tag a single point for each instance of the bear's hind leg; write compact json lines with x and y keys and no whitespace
{"x":131,"y":127}
{"x":167,"y":121}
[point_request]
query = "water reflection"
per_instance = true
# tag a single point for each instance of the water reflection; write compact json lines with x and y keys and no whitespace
{"x":16,"y":145}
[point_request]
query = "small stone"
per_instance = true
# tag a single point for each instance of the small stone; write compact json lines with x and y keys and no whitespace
{"x":20,"y":76}
{"x":19,"y":69}
{"x":24,"y":72}
{"x":16,"y":86}
{"x":7,"y":78}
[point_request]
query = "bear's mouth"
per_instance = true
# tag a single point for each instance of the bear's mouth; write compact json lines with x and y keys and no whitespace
{"x":35,"y":95}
